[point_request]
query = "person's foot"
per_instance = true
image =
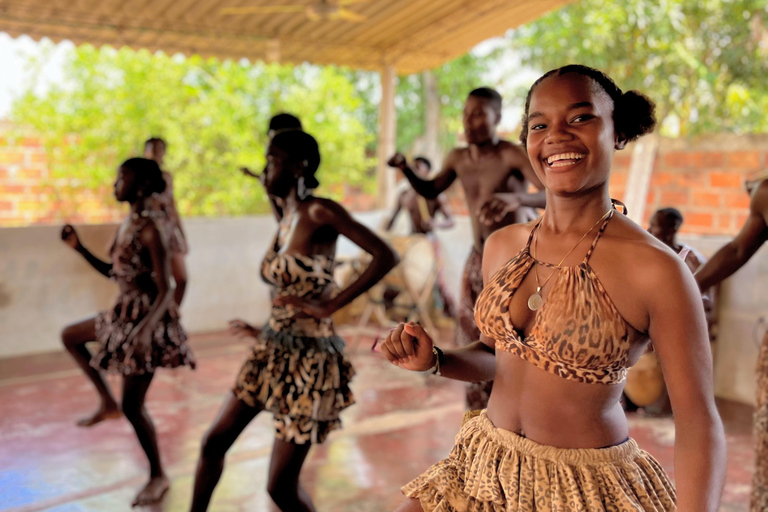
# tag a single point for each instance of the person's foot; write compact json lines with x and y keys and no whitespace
{"x":105,"y":412}
{"x":152,"y":492}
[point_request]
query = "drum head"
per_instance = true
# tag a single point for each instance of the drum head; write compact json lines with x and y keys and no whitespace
{"x":645,"y":381}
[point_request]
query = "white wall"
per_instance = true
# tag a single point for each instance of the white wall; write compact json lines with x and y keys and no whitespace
{"x":44,"y":286}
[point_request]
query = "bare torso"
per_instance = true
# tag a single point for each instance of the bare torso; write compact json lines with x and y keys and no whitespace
{"x":488,"y":171}
{"x":540,"y":405}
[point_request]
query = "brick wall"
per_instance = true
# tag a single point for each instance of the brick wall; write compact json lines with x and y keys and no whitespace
{"x":703,"y":177}
{"x":28,"y":194}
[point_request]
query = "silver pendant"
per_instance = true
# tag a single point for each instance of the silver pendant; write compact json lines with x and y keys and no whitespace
{"x":535,"y":300}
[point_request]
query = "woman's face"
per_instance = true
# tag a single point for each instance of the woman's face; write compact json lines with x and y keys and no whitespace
{"x":279,"y":175}
{"x":126,"y":184}
{"x":571,"y":135}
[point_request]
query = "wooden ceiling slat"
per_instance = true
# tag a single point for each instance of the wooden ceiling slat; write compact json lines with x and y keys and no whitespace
{"x":411,"y":34}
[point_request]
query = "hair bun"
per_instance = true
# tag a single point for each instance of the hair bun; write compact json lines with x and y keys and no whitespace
{"x":636,"y":114}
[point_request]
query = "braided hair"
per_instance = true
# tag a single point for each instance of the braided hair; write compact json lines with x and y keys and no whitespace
{"x":634,"y":114}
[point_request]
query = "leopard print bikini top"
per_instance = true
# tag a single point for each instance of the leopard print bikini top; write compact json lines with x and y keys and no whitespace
{"x":295,"y":274}
{"x":577,"y":333}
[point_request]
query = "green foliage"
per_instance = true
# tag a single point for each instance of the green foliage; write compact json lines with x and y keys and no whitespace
{"x":454,"y":81}
{"x":214,"y":116}
{"x":704,"y":63}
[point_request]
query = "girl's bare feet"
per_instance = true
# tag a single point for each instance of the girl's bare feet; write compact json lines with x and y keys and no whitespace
{"x":105,"y":412}
{"x":152,"y":492}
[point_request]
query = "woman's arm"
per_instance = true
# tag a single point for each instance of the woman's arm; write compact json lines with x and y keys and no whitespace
{"x":410,"y":347}
{"x":678,"y":328}
{"x":384,"y":258}
{"x":733,"y":255}
{"x":161,"y":270}
{"x":69,"y":236}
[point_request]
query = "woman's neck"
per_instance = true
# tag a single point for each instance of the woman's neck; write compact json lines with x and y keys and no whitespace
{"x":290,"y":203}
{"x":138,"y":206}
{"x":577,"y":213}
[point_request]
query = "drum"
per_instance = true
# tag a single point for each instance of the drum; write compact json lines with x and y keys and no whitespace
{"x":645,"y":381}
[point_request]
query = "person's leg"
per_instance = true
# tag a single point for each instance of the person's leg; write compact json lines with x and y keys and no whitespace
{"x":284,"y":469}
{"x":760,"y":478}
{"x":410,"y":505}
{"x":74,"y":337}
{"x":134,"y":393}
{"x":179,"y":271}
{"x":232,"y":419}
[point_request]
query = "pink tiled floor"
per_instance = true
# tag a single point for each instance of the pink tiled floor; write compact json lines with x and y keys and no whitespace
{"x":402,"y":423}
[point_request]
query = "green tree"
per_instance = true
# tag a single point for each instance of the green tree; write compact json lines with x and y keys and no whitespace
{"x":704,"y":63}
{"x":454,"y":80}
{"x":213,"y":114}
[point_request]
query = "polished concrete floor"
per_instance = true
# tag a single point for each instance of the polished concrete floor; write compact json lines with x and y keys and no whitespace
{"x":401,"y":424}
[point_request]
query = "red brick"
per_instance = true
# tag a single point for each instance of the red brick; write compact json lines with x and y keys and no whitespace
{"x":31,"y":142}
{"x":741,"y":218}
{"x":662,"y":178}
{"x":11,"y":189}
{"x":11,"y":157}
{"x":693,"y":179}
{"x":744,"y":159}
{"x":6,"y":206}
{"x":736,"y":199}
{"x":38,"y":158}
{"x":700,"y":219}
{"x":674,"y":197}
{"x":40,"y":189}
{"x":724,"y":220}
{"x":618,"y":179}
{"x":622,"y":160}
{"x":706,"y":199}
{"x":709,"y":159}
{"x":652,"y":197}
{"x":4,"y":174}
{"x":726,"y":180}
{"x":29,"y":174}
{"x":676,"y":159}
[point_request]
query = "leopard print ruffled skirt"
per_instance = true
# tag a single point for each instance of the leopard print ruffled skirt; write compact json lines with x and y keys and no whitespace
{"x":495,"y":470}
{"x":114,"y":329}
{"x":302,"y":380}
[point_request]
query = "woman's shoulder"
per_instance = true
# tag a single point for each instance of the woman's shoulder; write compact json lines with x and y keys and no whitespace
{"x":323,"y":210}
{"x":504,"y":243}
{"x":637,"y":255}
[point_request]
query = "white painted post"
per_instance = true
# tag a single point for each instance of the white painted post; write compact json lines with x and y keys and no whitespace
{"x":640,"y":172}
{"x":387,"y":137}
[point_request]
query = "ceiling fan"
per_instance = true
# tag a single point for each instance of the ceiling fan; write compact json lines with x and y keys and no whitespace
{"x":324,"y":9}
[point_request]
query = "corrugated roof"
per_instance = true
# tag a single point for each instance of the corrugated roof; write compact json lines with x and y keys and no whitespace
{"x":412,"y":35}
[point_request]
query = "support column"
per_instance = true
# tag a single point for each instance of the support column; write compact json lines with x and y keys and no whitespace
{"x":639,"y":179}
{"x":387,"y":137}
{"x":431,"y":119}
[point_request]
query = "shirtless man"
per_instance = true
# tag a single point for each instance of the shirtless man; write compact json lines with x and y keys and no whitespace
{"x":495,"y":175}
{"x":730,"y":258}
{"x":423,"y":213}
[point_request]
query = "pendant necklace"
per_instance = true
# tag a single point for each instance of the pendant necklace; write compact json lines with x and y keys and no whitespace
{"x":535,"y":300}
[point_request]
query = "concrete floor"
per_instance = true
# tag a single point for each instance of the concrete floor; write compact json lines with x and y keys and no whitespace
{"x":402,"y":423}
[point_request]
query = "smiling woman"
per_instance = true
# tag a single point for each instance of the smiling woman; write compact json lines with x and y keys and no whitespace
{"x":554,"y":435}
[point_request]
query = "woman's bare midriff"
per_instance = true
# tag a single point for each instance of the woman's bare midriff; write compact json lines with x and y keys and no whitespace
{"x":554,"y":411}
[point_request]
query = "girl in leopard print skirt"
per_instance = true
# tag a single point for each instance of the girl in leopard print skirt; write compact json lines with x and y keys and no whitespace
{"x":570,"y":302}
{"x":297,"y":370}
{"x":141,"y":333}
